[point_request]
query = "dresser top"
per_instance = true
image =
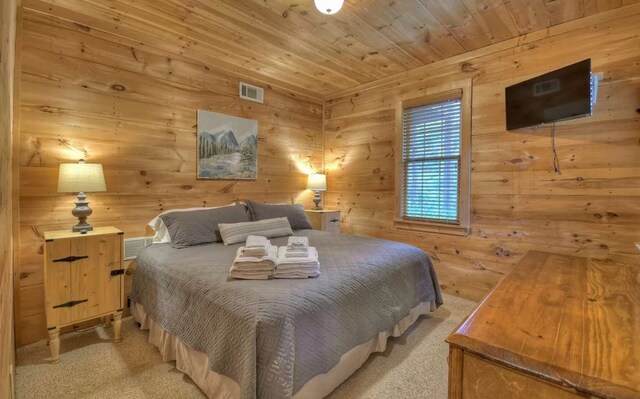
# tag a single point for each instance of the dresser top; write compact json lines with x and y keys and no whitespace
{"x":60,"y":234}
{"x":574,"y":321}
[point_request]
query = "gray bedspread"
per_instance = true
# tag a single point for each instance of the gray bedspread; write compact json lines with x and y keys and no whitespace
{"x":273,"y":336}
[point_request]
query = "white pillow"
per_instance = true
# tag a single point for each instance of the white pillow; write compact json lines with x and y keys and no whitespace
{"x":162,"y":233}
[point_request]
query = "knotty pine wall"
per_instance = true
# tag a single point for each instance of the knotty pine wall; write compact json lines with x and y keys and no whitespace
{"x":7,"y":58}
{"x":128,"y":101}
{"x":518,"y":203}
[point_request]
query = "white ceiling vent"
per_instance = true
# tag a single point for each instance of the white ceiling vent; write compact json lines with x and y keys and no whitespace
{"x":251,"y":93}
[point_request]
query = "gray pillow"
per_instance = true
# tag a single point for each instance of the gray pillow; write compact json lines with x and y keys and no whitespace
{"x":201,"y":227}
{"x":295,"y":213}
{"x":238,"y":232}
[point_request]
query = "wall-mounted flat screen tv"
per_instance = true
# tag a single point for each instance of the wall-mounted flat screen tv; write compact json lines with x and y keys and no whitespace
{"x":554,"y":96}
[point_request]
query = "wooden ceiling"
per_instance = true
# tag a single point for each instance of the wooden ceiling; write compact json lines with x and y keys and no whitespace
{"x":290,"y":42}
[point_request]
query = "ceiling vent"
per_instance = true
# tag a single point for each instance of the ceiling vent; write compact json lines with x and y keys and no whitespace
{"x":251,"y":93}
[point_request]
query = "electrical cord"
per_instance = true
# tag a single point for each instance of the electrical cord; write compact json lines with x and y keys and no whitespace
{"x":556,"y":161}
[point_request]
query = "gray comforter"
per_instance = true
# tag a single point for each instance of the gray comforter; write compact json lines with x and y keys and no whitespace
{"x":273,"y":336}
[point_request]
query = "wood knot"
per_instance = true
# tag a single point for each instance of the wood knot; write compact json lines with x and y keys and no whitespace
{"x":118,"y":87}
{"x":143,"y":173}
{"x":468,"y":67}
{"x":83,"y":27}
{"x":187,"y":187}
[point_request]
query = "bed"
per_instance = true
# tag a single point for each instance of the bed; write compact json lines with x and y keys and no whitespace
{"x":280,"y":338}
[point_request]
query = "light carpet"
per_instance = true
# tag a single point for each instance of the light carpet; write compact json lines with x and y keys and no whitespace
{"x":92,"y":366}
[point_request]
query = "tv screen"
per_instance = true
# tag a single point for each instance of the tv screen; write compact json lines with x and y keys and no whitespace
{"x":561,"y":94}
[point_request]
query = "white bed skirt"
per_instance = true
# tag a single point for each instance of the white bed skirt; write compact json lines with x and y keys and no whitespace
{"x":196,"y":364}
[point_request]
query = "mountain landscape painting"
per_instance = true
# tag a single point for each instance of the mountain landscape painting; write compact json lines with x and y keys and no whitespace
{"x":227,"y":147}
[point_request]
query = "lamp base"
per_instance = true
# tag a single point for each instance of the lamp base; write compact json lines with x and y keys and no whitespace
{"x":82,"y":212}
{"x":316,"y":200}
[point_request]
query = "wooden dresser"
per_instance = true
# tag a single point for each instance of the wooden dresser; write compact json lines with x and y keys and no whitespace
{"x":556,"y":327}
{"x":84,"y":279}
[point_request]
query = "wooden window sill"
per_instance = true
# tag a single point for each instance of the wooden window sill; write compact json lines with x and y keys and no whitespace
{"x":431,"y":227}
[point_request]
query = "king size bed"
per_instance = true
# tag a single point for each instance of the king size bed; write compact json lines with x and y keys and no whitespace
{"x":295,"y":338}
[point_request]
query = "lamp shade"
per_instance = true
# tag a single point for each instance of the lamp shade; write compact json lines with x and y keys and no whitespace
{"x":317,"y":182}
{"x":81,"y":177}
{"x":329,"y":6}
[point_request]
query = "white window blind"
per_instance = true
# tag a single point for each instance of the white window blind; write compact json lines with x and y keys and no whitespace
{"x":431,"y":161}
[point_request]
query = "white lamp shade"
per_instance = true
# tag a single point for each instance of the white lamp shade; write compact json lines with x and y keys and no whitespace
{"x":317,"y":182}
{"x":81,"y":177}
{"x":329,"y":6}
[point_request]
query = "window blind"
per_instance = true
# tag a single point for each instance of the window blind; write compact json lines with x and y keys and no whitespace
{"x":431,"y":161}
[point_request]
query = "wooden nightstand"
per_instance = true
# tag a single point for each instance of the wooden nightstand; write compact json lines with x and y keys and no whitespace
{"x":324,"y":219}
{"x":83,"y":280}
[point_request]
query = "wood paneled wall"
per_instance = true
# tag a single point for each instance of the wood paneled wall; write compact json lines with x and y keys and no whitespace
{"x":127,"y":100}
{"x":7,"y":58}
{"x":518,"y":203}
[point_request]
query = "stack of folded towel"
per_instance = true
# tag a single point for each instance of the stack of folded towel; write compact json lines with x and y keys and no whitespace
{"x":297,"y":260}
{"x":255,"y":261}
{"x":256,"y":246}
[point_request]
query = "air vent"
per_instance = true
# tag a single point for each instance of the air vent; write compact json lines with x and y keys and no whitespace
{"x":251,"y":93}
{"x":133,"y":245}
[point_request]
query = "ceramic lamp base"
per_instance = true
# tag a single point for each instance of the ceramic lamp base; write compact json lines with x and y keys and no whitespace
{"x":82,"y":212}
{"x":316,"y":200}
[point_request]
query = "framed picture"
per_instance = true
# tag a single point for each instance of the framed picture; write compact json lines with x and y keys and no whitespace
{"x":227,"y":147}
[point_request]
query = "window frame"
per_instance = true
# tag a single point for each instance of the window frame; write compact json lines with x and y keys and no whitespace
{"x":462,"y":226}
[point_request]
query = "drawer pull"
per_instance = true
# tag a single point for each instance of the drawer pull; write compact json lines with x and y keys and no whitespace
{"x":334,"y":220}
{"x":117,"y":272}
{"x":70,"y":304}
{"x":70,"y":259}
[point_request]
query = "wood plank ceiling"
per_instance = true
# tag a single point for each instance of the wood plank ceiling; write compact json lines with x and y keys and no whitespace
{"x":290,"y":42}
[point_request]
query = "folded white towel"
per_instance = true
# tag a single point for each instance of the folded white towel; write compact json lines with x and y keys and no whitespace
{"x":295,"y":274}
{"x":298,"y":241}
{"x":245,"y":275}
{"x":269,"y":259}
{"x":256,"y":242}
{"x":255,"y":251}
{"x":311,"y":257}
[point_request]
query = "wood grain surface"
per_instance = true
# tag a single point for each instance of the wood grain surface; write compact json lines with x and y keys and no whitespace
{"x":517,"y":202}
{"x":7,"y":59}
{"x":568,"y":320}
{"x":297,"y":46}
{"x":131,"y":106}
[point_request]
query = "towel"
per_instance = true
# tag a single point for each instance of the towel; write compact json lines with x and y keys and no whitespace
{"x":296,"y":252}
{"x":256,"y":242}
{"x":254,"y":267}
{"x":298,"y":241}
{"x":298,"y":267}
{"x":254,"y":252}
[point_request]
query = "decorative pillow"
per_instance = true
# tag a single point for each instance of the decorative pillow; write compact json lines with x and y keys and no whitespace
{"x":294,"y":213}
{"x":157,"y":225}
{"x":201,"y":227}
{"x":238,"y":232}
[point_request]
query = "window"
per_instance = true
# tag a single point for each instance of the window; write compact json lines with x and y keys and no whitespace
{"x":433,"y":168}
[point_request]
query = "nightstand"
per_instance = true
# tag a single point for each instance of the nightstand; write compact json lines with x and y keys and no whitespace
{"x":324,"y":219}
{"x":83,"y":280}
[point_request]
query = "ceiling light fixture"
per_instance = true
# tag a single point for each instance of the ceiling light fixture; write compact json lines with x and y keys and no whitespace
{"x":329,"y":7}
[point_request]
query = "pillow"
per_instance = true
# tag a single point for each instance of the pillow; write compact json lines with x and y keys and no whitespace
{"x":294,"y":213}
{"x":201,"y":227}
{"x":157,"y":225}
{"x":238,"y":232}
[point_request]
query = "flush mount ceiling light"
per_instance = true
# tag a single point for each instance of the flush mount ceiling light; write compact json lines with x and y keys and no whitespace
{"x":329,"y":6}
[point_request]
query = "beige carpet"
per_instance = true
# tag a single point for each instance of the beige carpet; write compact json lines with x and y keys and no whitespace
{"x":91,"y":366}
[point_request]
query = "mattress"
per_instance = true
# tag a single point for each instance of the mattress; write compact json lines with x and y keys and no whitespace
{"x":272,"y":337}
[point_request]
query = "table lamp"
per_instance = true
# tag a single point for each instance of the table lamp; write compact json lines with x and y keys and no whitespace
{"x":317,"y":182}
{"x":81,"y":178}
